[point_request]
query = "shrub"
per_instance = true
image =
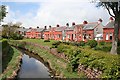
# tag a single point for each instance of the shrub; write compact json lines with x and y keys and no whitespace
{"x":60,"y":48}
{"x":92,"y":43}
{"x":106,"y":48}
{"x":81,"y":43}
{"x":74,"y":44}
{"x":55,"y":44}
{"x":16,"y":36}
{"x":102,"y":43}
{"x":46,"y":40}
{"x":4,"y":43}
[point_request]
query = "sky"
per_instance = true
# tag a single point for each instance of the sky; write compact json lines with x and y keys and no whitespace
{"x":52,"y":12}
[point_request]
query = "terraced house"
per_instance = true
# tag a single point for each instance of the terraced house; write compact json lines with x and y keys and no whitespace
{"x":35,"y":32}
{"x":108,"y":31}
{"x":92,"y":30}
{"x":77,"y":32}
{"x":55,"y":33}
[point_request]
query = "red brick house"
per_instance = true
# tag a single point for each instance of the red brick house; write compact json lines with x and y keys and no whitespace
{"x":108,"y":31}
{"x":59,"y":33}
{"x":34,"y":33}
{"x":69,"y":33}
{"x":55,"y":33}
{"x":92,"y":30}
{"x":78,"y":32}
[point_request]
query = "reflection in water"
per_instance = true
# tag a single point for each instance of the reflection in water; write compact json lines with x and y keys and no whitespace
{"x":32,"y":68}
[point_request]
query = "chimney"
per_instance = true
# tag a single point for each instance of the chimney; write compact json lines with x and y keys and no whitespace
{"x":67,"y":24}
{"x":111,"y":19}
{"x":45,"y":27}
{"x":100,"y":20}
{"x":57,"y":25}
{"x":85,"y":22}
{"x":73,"y":23}
{"x":49,"y":26}
{"x":37,"y":26}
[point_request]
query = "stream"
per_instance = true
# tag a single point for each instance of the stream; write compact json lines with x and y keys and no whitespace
{"x":32,"y":67}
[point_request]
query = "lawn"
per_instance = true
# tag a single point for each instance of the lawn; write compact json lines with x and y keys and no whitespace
{"x":40,"y":41}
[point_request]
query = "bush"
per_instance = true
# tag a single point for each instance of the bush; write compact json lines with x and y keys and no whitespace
{"x":55,"y":44}
{"x":16,"y":36}
{"x":102,"y":43}
{"x":74,"y":44}
{"x":4,"y":43}
{"x":82,"y":43}
{"x":106,"y":48}
{"x":92,"y":43}
{"x":46,"y":40}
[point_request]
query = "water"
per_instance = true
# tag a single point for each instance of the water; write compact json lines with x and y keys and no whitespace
{"x":32,"y":67}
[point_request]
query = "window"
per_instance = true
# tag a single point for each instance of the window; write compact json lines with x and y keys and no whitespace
{"x":58,"y":35}
{"x":68,"y":35}
{"x":107,"y":36}
{"x":110,"y":36}
{"x":84,"y":36}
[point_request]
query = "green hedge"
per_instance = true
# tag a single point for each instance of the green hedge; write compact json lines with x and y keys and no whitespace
{"x":4,"y":43}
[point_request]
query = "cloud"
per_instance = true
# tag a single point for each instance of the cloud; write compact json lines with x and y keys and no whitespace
{"x":60,"y":12}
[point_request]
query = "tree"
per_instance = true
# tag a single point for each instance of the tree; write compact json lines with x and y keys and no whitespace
{"x":10,"y":31}
{"x":113,"y":7}
{"x":2,"y":12}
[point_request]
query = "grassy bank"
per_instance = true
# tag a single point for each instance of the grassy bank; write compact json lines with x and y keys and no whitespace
{"x":10,"y":61}
{"x":57,"y":64}
{"x":99,"y":60}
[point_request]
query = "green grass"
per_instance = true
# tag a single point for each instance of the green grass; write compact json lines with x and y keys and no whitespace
{"x":57,"y":64}
{"x":39,"y":41}
{"x":11,"y":63}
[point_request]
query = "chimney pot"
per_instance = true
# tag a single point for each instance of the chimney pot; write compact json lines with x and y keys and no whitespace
{"x":100,"y":20}
{"x":57,"y":25}
{"x":37,"y":26}
{"x":85,"y":22}
{"x":73,"y":23}
{"x":67,"y":24}
{"x":45,"y":27}
{"x":111,"y":18}
{"x":49,"y":26}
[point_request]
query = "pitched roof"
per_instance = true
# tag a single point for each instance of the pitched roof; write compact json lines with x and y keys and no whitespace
{"x":35,"y":29}
{"x":22,"y":29}
{"x":110,"y":24}
{"x":61,"y":28}
{"x":90,"y":26}
{"x":69,"y":28}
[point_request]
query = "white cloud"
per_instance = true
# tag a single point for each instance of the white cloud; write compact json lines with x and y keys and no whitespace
{"x":60,"y":12}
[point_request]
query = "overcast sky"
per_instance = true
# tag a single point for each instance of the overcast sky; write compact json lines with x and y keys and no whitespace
{"x":51,"y":12}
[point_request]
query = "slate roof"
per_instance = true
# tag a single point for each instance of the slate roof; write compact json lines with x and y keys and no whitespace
{"x":35,"y":29}
{"x":23,"y":29}
{"x":90,"y":26}
{"x":110,"y":24}
{"x":69,"y":28}
{"x":61,"y":28}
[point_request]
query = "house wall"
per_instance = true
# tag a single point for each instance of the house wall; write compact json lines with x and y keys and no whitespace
{"x":98,"y":29}
{"x":46,"y":35}
{"x":89,"y":35}
{"x":78,"y":34}
{"x":33,"y":34}
{"x":106,"y":34}
{"x":58,"y":35}
{"x":69,"y":35}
